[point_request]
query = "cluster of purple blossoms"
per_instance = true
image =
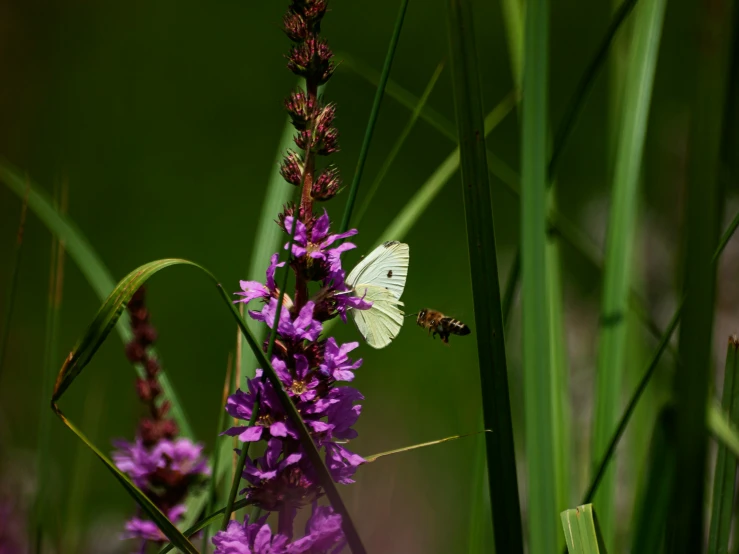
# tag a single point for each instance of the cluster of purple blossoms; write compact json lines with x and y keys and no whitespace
{"x":164,"y":466}
{"x":282,"y":479}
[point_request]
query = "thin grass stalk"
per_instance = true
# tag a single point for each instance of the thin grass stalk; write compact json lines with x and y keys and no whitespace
{"x":374,"y":113}
{"x":655,"y":501}
{"x":51,"y":354}
{"x":15,"y":273}
{"x":398,"y":145}
{"x":622,"y":225}
{"x":478,"y":534}
{"x":501,"y":462}
{"x":537,"y":379}
{"x":90,"y":264}
{"x":400,"y":95}
{"x":704,"y":203}
{"x":725,"y":474}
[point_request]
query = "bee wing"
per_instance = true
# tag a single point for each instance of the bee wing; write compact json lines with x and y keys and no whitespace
{"x":382,"y":322}
{"x":390,"y":258}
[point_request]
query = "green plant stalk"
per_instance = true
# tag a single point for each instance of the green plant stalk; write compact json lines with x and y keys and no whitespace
{"x":91,"y":266}
{"x":501,"y":464}
{"x":398,"y":145}
{"x":374,"y":113}
{"x":15,"y":273}
{"x":704,"y":202}
{"x":270,"y":346}
{"x":725,"y":474}
{"x":655,"y":501}
{"x":537,"y":379}
{"x":619,"y":244}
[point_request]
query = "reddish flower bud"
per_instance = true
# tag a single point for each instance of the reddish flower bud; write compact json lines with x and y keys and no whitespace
{"x":291,"y":168}
{"x":300,"y":108}
{"x":311,"y":10}
{"x":327,"y":185}
{"x":312,"y":60}
{"x":143,"y":390}
{"x":295,"y":27}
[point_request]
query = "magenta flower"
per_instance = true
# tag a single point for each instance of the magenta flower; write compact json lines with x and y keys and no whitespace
{"x":336,"y":363}
{"x":254,"y":289}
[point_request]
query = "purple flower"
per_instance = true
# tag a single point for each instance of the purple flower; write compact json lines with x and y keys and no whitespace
{"x":317,"y":245}
{"x":184,"y":456}
{"x":137,"y":461}
{"x":300,"y":383}
{"x":255,"y":289}
{"x":137,"y":528}
{"x":271,"y":419}
{"x":336,"y":363}
{"x":323,"y":535}
{"x":304,"y":327}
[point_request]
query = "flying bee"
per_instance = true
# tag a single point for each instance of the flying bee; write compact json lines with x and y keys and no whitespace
{"x":439,"y":324}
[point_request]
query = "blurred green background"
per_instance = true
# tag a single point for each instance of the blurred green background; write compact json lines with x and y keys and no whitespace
{"x":164,"y":120}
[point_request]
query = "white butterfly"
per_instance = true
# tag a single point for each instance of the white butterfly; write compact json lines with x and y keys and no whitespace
{"x":380,"y":278}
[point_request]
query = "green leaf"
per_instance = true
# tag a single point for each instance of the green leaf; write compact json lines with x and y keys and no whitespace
{"x":501,"y":465}
{"x":622,"y":225}
{"x":89,"y":263}
{"x":537,"y":377}
{"x":374,"y":113}
{"x":582,"y":534}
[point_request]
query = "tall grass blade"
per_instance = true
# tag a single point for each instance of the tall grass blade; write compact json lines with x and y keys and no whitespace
{"x":582,"y":533}
{"x":723,"y":429}
{"x":537,"y":378}
{"x":620,"y":241}
{"x":655,"y":501}
{"x":91,"y":266}
{"x":485,"y":286}
{"x":15,"y":273}
{"x":374,"y":113}
{"x":374,"y":457}
{"x":704,"y":203}
{"x":106,"y":320}
{"x":725,"y":474}
{"x":398,"y":145}
{"x":651,"y":368}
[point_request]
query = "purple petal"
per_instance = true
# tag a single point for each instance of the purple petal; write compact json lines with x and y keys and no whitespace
{"x":333,"y":238}
{"x":320,"y":228}
{"x":273,"y":265}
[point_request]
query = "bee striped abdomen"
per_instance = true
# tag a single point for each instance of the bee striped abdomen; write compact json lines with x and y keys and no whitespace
{"x":454,"y":326}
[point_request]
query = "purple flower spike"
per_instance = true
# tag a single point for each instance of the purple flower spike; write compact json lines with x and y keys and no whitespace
{"x":254,"y":289}
{"x":303,"y":328}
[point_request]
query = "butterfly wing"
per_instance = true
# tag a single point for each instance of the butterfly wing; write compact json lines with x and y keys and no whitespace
{"x":382,"y":322}
{"x":386,"y":266}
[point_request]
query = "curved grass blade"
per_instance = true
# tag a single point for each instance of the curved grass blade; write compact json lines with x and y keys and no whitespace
{"x":374,"y":457}
{"x":91,"y":266}
{"x":374,"y":113}
{"x":537,"y":378}
{"x":722,"y":427}
{"x":620,"y":241}
{"x":103,"y":324}
{"x":400,"y":95}
{"x":503,"y":485}
{"x":582,"y":533}
{"x":15,"y":272}
{"x":400,"y":141}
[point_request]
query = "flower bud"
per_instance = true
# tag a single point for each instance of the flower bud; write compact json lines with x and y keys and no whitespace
{"x":300,"y":108}
{"x":295,"y":27}
{"x":327,"y":184}
{"x":312,"y":60}
{"x":291,"y":168}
